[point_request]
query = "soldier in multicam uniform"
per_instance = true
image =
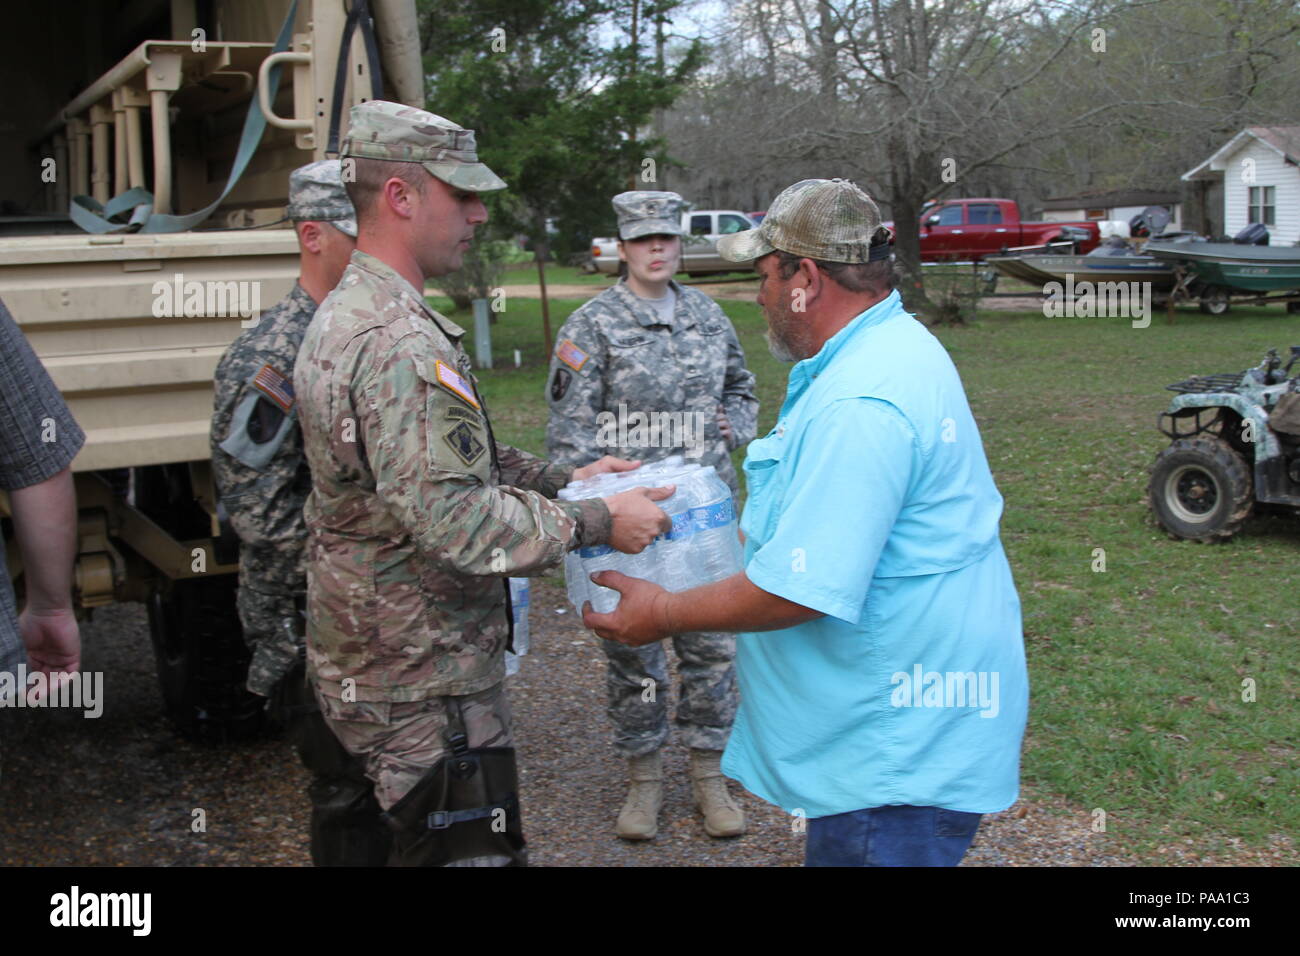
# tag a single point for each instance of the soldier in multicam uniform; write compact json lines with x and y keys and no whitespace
{"x":263,"y":481}
{"x":417,"y":515}
{"x":650,"y":345}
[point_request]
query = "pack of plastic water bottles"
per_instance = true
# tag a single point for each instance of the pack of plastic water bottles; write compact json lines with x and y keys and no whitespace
{"x":702,"y":547}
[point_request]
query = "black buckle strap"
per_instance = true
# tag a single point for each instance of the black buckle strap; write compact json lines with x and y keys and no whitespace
{"x":442,"y":819}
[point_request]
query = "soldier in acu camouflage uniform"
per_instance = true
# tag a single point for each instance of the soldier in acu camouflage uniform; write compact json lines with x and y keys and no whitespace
{"x":649,"y":345}
{"x":417,"y":515}
{"x":263,"y":480}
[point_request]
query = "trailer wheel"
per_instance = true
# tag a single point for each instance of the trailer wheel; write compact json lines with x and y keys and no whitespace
{"x":202,"y":659}
{"x":1201,"y":489}
{"x":1293,"y":308}
{"x":1214,"y":300}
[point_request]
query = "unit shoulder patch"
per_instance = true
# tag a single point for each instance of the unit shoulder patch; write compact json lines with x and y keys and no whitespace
{"x":462,"y":440}
{"x":461,"y":413}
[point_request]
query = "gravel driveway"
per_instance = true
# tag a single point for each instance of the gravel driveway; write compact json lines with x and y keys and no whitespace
{"x":123,"y":789}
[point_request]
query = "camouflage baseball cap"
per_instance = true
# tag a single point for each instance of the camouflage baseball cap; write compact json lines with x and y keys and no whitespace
{"x":316,"y":192}
{"x":828,"y":219}
{"x":647,"y":213}
{"x":382,"y":130}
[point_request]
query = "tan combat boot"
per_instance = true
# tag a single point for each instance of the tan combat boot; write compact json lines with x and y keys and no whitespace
{"x":639,"y":818}
{"x":722,"y":817}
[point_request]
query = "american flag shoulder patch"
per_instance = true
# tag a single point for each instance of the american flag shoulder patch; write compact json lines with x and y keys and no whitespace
{"x":274,"y":386}
{"x":571,"y":355}
{"x":455,"y":383}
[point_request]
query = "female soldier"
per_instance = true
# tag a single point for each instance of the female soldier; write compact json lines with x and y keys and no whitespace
{"x":649,"y":345}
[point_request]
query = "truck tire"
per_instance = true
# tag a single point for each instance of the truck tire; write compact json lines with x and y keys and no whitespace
{"x":1201,"y":490}
{"x":1214,"y":300}
{"x":202,"y":659}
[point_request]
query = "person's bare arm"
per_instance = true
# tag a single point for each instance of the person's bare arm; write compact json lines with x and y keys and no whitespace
{"x":647,"y":613}
{"x":45,"y":527}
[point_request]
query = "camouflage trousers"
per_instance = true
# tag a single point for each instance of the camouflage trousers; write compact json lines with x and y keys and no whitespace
{"x":638,"y":689}
{"x":398,"y":743}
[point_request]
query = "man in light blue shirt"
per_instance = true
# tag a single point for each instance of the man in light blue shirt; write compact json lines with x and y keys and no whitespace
{"x":881,"y":660}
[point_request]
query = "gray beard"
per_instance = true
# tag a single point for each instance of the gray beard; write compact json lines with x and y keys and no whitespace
{"x":778,"y":349}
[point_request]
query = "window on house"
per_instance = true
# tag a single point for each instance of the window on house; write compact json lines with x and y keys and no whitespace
{"x":1262,"y":205}
{"x":1094,"y":213}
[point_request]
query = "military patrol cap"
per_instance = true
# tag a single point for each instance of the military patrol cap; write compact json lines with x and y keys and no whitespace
{"x":828,"y":219}
{"x":379,"y":129}
{"x":316,"y":192}
{"x":648,"y":213}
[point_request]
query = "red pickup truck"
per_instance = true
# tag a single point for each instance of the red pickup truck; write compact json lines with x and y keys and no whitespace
{"x":969,"y":229}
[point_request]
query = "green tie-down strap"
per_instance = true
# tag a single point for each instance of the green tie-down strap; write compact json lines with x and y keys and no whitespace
{"x":93,"y":217}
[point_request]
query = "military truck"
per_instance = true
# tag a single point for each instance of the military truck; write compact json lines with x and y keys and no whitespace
{"x":108,"y":96}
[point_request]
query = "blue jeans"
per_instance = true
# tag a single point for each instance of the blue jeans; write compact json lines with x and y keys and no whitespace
{"x":890,"y":836}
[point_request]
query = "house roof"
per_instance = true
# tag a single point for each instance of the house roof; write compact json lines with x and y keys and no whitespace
{"x":1113,"y":197}
{"x":1283,"y":140}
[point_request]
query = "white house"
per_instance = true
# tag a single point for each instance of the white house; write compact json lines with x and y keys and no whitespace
{"x":1122,"y":204}
{"x":1259,"y":170}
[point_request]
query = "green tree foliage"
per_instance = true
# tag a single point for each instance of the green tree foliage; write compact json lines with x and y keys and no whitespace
{"x":558,"y":91}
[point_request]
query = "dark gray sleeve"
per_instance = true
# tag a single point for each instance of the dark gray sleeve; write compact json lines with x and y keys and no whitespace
{"x":38,"y":435}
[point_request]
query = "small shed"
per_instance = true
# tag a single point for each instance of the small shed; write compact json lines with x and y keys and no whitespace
{"x":1121,"y":204}
{"x":1259,"y":173}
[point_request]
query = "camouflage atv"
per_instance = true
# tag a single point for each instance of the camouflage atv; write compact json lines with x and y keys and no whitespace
{"x":1236,"y":442}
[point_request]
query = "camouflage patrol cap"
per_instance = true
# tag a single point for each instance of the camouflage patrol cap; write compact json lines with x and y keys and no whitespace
{"x":379,"y":129}
{"x":316,"y":192}
{"x":648,"y":213}
{"x":828,"y":219}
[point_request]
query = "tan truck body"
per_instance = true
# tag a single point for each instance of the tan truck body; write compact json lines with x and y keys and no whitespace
{"x":107,"y":97}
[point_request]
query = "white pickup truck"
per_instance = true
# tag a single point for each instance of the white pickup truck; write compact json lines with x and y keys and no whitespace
{"x":699,"y":247}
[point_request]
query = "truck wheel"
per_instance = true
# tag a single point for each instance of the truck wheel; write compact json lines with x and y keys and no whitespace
{"x":1201,"y":489}
{"x":202,"y":660}
{"x":1293,"y":308}
{"x":1214,"y":300}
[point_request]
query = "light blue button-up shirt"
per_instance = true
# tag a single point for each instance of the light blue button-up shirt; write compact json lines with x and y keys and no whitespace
{"x":871,"y":501}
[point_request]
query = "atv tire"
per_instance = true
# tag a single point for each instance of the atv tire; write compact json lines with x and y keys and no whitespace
{"x":202,"y":659}
{"x":1201,"y":490}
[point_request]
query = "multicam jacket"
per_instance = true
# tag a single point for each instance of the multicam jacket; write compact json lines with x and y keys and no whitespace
{"x":417,"y":515}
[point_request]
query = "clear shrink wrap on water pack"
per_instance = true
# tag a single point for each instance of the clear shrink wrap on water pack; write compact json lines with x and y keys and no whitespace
{"x":702,"y":547}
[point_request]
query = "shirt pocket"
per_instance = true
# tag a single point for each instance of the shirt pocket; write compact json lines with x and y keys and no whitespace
{"x":764,"y":489}
{"x":637,"y":373}
{"x":706,"y":366}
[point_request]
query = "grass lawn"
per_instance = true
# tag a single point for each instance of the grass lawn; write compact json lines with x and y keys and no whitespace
{"x":1137,"y":672}
{"x":526,"y":274}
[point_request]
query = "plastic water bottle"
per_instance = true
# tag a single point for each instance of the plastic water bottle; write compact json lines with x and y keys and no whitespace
{"x":717,"y":546}
{"x":597,"y":559}
{"x":519,"y":603}
{"x":672,"y":567}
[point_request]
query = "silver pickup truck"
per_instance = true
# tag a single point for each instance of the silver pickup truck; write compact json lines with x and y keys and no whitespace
{"x":699,"y":248}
